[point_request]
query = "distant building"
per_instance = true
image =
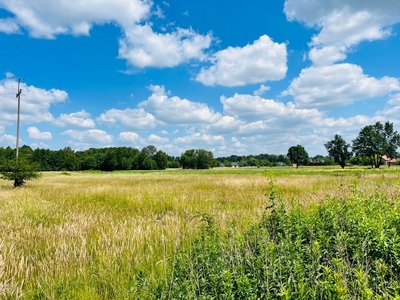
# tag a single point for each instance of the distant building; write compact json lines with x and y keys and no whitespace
{"x":235,"y":165}
{"x":388,"y":161}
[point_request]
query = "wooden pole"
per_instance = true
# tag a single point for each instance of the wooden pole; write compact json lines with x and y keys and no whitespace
{"x":19,"y":109}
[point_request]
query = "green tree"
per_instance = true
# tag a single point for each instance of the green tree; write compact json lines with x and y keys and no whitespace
{"x":161,"y":158}
{"x":205,"y":159}
{"x":298,"y":155}
{"x":149,"y":151}
{"x":71,"y":162}
{"x":19,"y":171}
{"x":197,"y":159}
{"x":227,"y":163}
{"x":188,"y":159}
{"x":375,"y":141}
{"x":338,"y":149}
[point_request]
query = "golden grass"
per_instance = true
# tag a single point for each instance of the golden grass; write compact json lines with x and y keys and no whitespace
{"x":92,"y":234}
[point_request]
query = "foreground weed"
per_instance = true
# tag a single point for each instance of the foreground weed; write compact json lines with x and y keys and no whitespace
{"x":339,"y":249}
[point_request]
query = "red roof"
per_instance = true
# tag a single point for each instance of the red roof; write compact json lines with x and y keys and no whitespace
{"x":388,"y":159}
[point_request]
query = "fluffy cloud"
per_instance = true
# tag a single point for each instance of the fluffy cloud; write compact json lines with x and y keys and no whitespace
{"x":199,"y":140}
{"x":337,"y":85}
{"x":35,"y":134}
{"x":157,"y":140}
{"x":253,"y":129}
{"x":8,"y":140}
{"x":142,"y":47}
{"x":227,"y":124}
{"x":136,"y":119}
{"x":139,"y":45}
{"x":343,"y":24}
{"x":235,"y":66}
{"x":261,"y":90}
{"x":9,"y":26}
{"x":89,"y":136}
{"x":35,"y":102}
{"x":46,"y":19}
{"x":77,"y":119}
{"x":327,"y":55}
{"x":173,"y":110}
{"x":392,"y":109}
{"x":128,"y":137}
{"x":254,"y":108}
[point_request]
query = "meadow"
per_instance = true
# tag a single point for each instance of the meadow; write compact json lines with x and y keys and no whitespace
{"x":202,"y":234}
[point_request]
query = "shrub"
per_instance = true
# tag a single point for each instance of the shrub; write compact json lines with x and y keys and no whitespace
{"x":19,"y":171}
{"x":339,"y":249}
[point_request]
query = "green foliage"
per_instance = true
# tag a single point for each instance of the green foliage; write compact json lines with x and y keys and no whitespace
{"x":19,"y":172}
{"x":161,"y":159}
{"x":197,"y":159}
{"x":255,"y":160}
{"x":339,"y":150}
{"x":377,"y":140}
{"x":339,"y":249}
{"x":298,"y":155}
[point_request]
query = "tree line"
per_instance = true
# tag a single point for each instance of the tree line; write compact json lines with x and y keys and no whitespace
{"x":374,"y":144}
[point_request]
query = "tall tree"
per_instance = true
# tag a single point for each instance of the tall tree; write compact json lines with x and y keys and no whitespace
{"x":161,"y":158}
{"x":197,"y":159}
{"x":188,"y":159}
{"x":375,"y":141}
{"x":298,"y":155}
{"x":338,"y":149}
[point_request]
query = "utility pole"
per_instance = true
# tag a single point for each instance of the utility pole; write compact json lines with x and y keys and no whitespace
{"x":19,"y":109}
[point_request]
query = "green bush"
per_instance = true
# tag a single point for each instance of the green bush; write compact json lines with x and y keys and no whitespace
{"x":339,"y":249}
{"x":19,"y":171}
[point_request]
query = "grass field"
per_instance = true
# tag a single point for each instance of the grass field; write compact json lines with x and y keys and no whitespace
{"x":120,"y":235}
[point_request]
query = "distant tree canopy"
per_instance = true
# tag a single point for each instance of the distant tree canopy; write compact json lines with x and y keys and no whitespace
{"x":264,"y":160}
{"x":338,"y":149}
{"x":197,"y":159}
{"x":104,"y":159}
{"x":375,"y":141}
{"x":298,"y":155}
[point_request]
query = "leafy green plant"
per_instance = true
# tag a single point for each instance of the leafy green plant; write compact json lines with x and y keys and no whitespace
{"x":19,"y":171}
{"x":339,"y":249}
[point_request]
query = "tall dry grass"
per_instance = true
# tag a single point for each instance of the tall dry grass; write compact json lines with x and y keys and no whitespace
{"x":113,"y":235}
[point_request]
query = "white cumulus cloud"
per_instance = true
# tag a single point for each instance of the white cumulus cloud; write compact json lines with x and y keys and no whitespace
{"x":9,"y":26}
{"x":157,"y":140}
{"x":174,"y":110}
{"x":198,"y":140}
{"x":46,"y":19}
{"x":337,"y":85}
{"x":8,"y":140}
{"x":89,"y":136}
{"x":77,"y":119}
{"x":35,"y":102}
{"x":343,"y":24}
{"x":35,"y":134}
{"x":142,"y":47}
{"x":136,"y":119}
{"x":264,"y":60}
{"x":128,"y":137}
{"x":254,"y":108}
{"x":261,"y":90}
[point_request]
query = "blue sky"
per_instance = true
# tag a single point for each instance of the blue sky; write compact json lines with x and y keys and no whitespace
{"x":232,"y":77}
